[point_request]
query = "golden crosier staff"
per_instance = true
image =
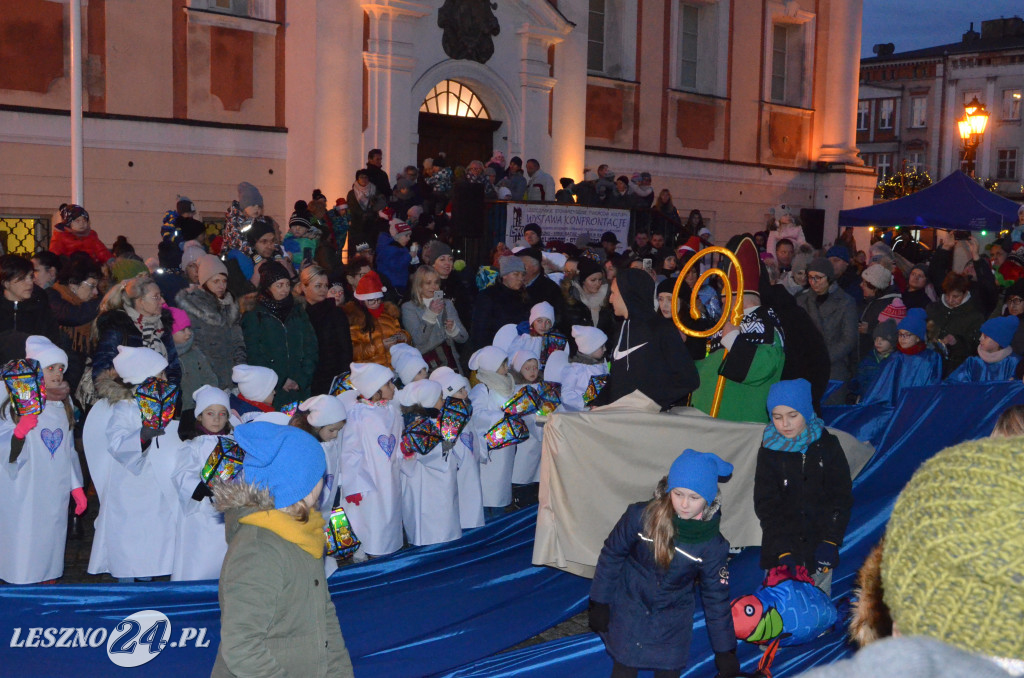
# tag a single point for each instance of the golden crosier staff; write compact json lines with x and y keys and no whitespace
{"x":736,"y":311}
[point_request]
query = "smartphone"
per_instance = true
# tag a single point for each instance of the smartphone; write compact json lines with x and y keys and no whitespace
{"x":961,"y":235}
{"x":438,"y":295}
{"x":648,"y":264}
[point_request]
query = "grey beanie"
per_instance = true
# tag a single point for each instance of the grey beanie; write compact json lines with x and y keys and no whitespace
{"x":800,"y":261}
{"x":886,"y":330}
{"x":510,"y":264}
{"x":434,"y":250}
{"x":248,"y":195}
{"x":823,"y":266}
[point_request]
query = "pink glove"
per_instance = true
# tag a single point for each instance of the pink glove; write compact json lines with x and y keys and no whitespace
{"x":81,"y":503}
{"x":27,"y":423}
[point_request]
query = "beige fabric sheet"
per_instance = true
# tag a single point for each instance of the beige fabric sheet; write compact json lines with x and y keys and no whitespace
{"x":596,"y":463}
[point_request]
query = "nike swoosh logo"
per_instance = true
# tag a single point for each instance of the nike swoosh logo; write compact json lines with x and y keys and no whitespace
{"x":619,"y":355}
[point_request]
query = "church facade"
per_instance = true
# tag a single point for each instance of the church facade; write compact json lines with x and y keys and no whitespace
{"x":733,"y":106}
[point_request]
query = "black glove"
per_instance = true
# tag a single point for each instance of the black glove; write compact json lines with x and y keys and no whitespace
{"x":789,"y":560}
{"x":202,"y":491}
{"x":827,"y":556}
{"x":727,"y":664}
{"x":147,"y":435}
{"x":600,"y":614}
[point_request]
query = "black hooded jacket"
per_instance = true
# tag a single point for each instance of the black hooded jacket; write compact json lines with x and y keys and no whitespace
{"x":649,"y":355}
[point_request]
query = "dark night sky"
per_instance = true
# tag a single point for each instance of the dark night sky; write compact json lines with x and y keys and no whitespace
{"x":913,"y":24}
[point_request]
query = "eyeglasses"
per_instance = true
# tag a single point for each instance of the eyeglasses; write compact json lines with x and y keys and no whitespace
{"x":88,"y":284}
{"x":817,"y":278}
{"x":1015,"y":300}
{"x":905,"y":335}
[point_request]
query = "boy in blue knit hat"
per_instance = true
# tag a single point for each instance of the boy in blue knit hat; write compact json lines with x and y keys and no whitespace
{"x":277,"y":616}
{"x":913,"y":364}
{"x":641,"y":600}
{"x":802,"y":487}
{"x":995,"y":360}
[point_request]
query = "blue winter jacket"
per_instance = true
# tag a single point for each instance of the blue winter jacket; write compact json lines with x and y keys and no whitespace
{"x":651,"y":621}
{"x":902,"y":371}
{"x":115,"y":329}
{"x":393,"y":261}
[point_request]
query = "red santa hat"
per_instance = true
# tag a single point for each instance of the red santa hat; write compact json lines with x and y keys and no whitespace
{"x":370,"y":287}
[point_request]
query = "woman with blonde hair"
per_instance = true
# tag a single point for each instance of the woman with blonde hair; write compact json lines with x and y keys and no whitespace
{"x":333,"y":334}
{"x":432,"y":321}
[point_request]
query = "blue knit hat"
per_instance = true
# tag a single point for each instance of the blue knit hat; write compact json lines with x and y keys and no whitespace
{"x":698,"y":471}
{"x":795,"y":393}
{"x":838,"y":251}
{"x":916,"y":322}
{"x":285,"y":460}
{"x":1001,"y":330}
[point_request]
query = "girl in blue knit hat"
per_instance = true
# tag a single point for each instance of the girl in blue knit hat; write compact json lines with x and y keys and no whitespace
{"x":913,"y":364}
{"x":641,"y":600}
{"x":801,"y":487}
{"x":277,"y":616}
{"x":995,"y":360}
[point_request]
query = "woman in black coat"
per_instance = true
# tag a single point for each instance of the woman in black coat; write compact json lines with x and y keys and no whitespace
{"x":505,"y":302}
{"x":24,"y":308}
{"x":330,"y":323}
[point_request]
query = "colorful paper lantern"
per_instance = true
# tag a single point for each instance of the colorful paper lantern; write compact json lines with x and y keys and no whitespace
{"x":224,"y":462}
{"x":291,"y":408}
{"x":523,"y":402}
{"x":156,"y":398}
{"x":24,"y":381}
{"x":552,"y":341}
{"x":341,"y":383}
{"x":421,"y":436}
{"x":550,"y":395}
{"x":594,"y":388}
{"x":455,"y":414}
{"x":511,"y":430}
{"x":341,"y":539}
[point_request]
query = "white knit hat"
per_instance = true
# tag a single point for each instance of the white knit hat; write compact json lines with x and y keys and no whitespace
{"x":207,"y":395}
{"x":136,"y":365}
{"x":323,"y":410}
{"x":275,"y":417}
{"x":521,"y":357}
{"x":878,"y":276}
{"x":450,"y":380}
{"x":588,"y":339}
{"x":407,"y":362}
{"x":504,"y":337}
{"x":489,"y":359}
{"x":45,"y":351}
{"x":542,"y":310}
{"x":557,"y":363}
{"x":424,"y":393}
{"x":368,"y":378}
{"x":254,"y":383}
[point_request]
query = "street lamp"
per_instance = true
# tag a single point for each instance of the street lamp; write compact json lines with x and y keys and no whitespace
{"x":971,"y":127}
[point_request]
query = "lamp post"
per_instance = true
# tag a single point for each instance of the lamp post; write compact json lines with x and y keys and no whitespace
{"x":971,"y":128}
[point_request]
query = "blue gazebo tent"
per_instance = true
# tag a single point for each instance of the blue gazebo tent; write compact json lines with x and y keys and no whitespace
{"x":957,"y":203}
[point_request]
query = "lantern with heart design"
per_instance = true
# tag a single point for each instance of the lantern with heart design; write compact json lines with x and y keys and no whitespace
{"x":341,"y":538}
{"x":455,"y":414}
{"x":341,"y":383}
{"x":224,"y":462}
{"x":24,"y":381}
{"x":597,"y":383}
{"x":511,"y":430}
{"x":156,"y":398}
{"x":421,"y":436}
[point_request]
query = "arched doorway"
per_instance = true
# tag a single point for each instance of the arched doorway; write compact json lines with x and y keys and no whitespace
{"x":453,"y":119}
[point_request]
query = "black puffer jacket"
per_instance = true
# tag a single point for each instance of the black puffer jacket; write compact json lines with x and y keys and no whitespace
{"x":334,"y":339}
{"x":497,"y":306}
{"x":31,"y":316}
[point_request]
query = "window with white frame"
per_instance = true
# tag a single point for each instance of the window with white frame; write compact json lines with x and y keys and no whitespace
{"x":918,"y":111}
{"x":689,"y":49}
{"x":883,"y":165}
{"x":863,"y":115}
{"x":611,"y":38}
{"x":916,"y":161}
{"x":1011,"y":104}
{"x":699,"y":33}
{"x":789,"y":54}
{"x":886,"y":113}
{"x":780,"y":61}
{"x":1006,"y":163}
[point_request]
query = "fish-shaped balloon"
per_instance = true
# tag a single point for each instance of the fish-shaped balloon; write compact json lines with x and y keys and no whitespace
{"x":793,"y":610}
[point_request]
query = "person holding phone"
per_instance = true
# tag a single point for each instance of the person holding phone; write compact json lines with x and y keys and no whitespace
{"x":432,"y":321}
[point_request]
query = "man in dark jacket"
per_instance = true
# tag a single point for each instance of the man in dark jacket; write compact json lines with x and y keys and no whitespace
{"x":378,"y":177}
{"x":649,"y":355}
{"x":502,"y":303}
{"x":538,"y":286}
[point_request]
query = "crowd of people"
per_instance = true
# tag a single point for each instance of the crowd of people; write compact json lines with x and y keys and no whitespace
{"x":424,"y":384}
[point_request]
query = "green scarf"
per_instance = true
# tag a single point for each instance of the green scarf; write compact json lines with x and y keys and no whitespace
{"x":695,"y":531}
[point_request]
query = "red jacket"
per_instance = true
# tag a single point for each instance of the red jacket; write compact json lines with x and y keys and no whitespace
{"x":65,"y":243}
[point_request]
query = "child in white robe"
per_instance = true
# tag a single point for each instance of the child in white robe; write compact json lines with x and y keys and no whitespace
{"x":488,"y":398}
{"x":466,"y":451}
{"x":587,"y":363}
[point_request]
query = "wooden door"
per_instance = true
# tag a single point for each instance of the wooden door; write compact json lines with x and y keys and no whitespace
{"x":462,"y":139}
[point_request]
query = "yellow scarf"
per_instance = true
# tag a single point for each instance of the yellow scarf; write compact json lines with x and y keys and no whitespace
{"x":308,"y":536}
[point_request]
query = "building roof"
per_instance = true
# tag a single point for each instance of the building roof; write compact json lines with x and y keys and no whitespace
{"x":991,"y":39}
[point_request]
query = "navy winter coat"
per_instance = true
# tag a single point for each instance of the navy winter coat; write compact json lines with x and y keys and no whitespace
{"x":652,"y":609}
{"x":115,"y":329}
{"x":393,"y":261}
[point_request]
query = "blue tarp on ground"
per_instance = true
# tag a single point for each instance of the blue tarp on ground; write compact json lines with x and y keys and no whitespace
{"x":446,"y":610}
{"x":956,"y":202}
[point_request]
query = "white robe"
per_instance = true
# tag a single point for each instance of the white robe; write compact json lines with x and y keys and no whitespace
{"x":471,"y":501}
{"x":136,"y":526}
{"x":332,"y":481}
{"x":200,"y":543}
{"x":370,"y":460}
{"x":526,"y":468}
{"x":430,"y":498}
{"x":496,"y":465}
{"x":575,"y":380}
{"x":34,"y":496}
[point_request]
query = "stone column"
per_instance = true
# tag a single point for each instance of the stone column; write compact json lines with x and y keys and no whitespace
{"x":536,"y":83}
{"x":842,"y":50}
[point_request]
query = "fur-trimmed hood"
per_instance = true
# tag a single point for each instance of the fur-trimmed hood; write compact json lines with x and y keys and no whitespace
{"x":870,"y":619}
{"x":239,"y":499}
{"x":109,"y":385}
{"x":204,"y":307}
